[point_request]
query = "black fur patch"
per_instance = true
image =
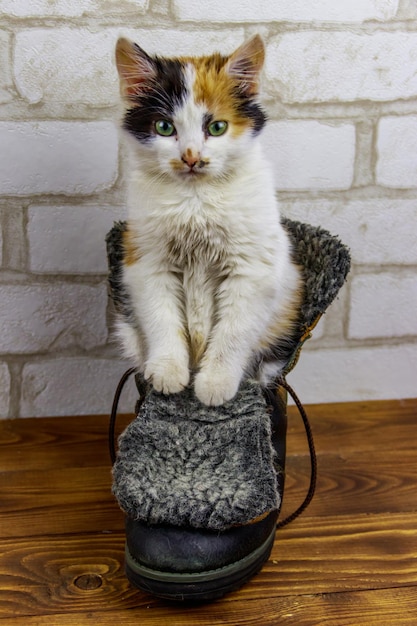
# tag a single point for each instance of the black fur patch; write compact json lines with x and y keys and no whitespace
{"x":252,"y":110}
{"x":157,"y":100}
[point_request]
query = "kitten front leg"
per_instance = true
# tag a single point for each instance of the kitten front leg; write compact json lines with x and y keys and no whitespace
{"x":157,"y":303}
{"x":243,"y":312}
{"x":216,"y":383}
{"x":198,"y":294}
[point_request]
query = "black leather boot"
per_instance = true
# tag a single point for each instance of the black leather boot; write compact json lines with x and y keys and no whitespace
{"x":181,"y":562}
{"x":202,"y":565}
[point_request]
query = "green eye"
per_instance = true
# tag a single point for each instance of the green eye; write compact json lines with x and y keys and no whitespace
{"x":215,"y":129}
{"x":164,"y":128}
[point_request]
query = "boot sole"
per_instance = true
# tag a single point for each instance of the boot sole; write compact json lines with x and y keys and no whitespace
{"x":198,"y":586}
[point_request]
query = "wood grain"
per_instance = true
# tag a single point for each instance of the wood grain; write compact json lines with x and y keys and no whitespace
{"x":81,"y":441}
{"x":338,"y":555}
{"x":48,"y":443}
{"x":56,"y":502}
{"x":363,"y":608}
{"x":351,"y":559}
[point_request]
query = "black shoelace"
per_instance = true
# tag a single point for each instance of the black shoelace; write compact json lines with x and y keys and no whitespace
{"x":283,"y":383}
{"x":313,"y":459}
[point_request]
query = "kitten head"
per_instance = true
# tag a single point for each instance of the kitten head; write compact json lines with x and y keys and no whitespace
{"x":191,"y":117}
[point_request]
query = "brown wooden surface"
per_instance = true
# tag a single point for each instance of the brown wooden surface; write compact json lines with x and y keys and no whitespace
{"x":351,"y":559}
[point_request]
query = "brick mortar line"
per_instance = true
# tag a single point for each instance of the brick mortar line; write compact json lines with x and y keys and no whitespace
{"x":279,"y":29}
{"x":166,"y":21}
{"x":369,"y":192}
{"x":332,"y":113}
{"x":107,"y":352}
{"x":27,"y":278}
{"x":375,"y":269}
{"x":350,"y":343}
{"x":104,"y":351}
{"x":108,"y":197}
{"x":364,"y":173}
{"x":16,"y":391}
{"x":24,"y":278}
{"x":114,"y":198}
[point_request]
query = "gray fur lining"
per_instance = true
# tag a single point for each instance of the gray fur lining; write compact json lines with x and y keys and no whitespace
{"x":183,"y":463}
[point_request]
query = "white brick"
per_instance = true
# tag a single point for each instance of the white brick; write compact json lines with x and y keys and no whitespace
{"x":67,"y":8}
{"x":34,"y":8}
{"x":377,"y":231}
{"x":44,"y":317}
{"x":174,"y":42}
{"x":74,"y":386}
{"x":5,"y":74}
{"x":67,"y":65}
{"x":383,"y":305}
{"x":407,"y":10}
{"x":347,"y":375}
{"x":286,"y":10}
{"x":4,"y":390}
{"x":310,"y":155}
{"x":342,"y":66}
{"x":57,"y":157}
{"x":397,"y":151}
{"x":127,"y":5}
{"x":69,"y":239}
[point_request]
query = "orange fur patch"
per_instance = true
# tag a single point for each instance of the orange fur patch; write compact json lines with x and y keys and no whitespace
{"x":253,"y":521}
{"x":214,"y":88}
{"x":176,"y":164}
{"x":259,"y":518}
{"x":198,"y":347}
{"x":131,"y":253}
{"x":284,"y":324}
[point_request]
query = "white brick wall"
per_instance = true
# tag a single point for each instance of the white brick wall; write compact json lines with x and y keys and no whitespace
{"x":69,"y":239}
{"x":397,"y":137}
{"x":73,"y":386}
{"x":311,"y":155}
{"x":286,"y":10}
{"x":82,"y":68}
{"x":346,"y":375}
{"x":68,"y":8}
{"x":178,"y":41}
{"x":343,"y":66}
{"x":340,"y":87}
{"x":45,"y":317}
{"x":43,"y":8}
{"x":383,"y":305}
{"x":377,"y":230}
{"x":5,"y":75}
{"x":57,"y":157}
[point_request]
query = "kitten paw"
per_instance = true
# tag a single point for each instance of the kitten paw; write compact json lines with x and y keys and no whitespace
{"x":215,"y":388}
{"x":167,"y":376}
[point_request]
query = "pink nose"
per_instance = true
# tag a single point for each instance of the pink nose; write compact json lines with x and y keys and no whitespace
{"x":191,"y":158}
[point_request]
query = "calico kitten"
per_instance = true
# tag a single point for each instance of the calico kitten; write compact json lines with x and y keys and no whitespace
{"x":207,"y":263}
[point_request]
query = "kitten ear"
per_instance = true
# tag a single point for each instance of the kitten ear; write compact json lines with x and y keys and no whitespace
{"x":135,"y":68}
{"x":246,"y":64}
